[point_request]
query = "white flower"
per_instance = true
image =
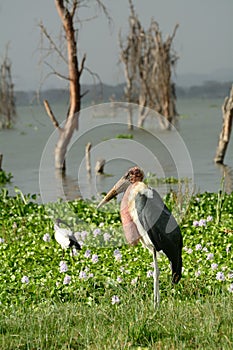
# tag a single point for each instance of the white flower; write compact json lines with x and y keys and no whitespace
{"x":214,"y":266}
{"x":25,"y":279}
{"x":195,"y":223}
{"x":46,"y":237}
{"x":220,"y":276}
{"x":117,"y":255}
{"x":134,"y":281}
{"x":82,"y":275}
{"x":63,"y":266}
{"x":74,"y":251}
{"x":67,"y":279}
{"x":87,"y":253}
{"x":150,"y":273}
{"x":210,"y":256}
{"x":189,"y":251}
{"x":96,"y":232}
{"x":94,"y":258}
{"x":107,"y":237}
{"x":115,"y":299}
{"x":202,"y":222}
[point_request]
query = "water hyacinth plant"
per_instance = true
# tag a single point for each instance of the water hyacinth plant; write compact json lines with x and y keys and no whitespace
{"x":207,"y":249}
{"x":107,"y":273}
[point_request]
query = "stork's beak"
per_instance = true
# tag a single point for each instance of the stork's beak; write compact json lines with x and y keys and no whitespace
{"x":119,"y":187}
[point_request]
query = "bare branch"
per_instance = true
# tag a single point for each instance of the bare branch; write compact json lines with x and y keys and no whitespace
{"x":84,"y":93}
{"x":51,"y":115}
{"x":56,"y":73}
{"x":74,"y":7}
{"x":52,"y":43}
{"x":174,"y":31}
{"x":93,"y":74}
{"x":105,"y":10}
{"x":82,"y":64}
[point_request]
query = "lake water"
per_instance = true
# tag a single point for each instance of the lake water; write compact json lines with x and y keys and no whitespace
{"x":28,"y":149}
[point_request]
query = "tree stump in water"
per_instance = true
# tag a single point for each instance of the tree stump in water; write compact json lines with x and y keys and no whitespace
{"x":224,"y":137}
{"x":99,"y":167}
{"x":88,"y":158}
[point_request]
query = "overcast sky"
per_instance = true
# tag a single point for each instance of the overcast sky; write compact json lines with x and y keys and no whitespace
{"x":203,"y":41}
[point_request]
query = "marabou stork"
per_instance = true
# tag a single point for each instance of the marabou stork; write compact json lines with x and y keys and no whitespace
{"x":65,"y":237}
{"x":146,"y":218}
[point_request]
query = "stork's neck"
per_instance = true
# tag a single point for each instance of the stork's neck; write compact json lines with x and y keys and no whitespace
{"x":131,"y":232}
{"x":132,"y":191}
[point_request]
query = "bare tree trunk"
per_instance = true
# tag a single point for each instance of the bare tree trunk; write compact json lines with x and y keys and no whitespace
{"x":143,"y":111}
{"x":88,"y":158}
{"x":7,"y":98}
{"x":130,"y":117}
{"x":224,"y":137}
{"x":75,"y":72}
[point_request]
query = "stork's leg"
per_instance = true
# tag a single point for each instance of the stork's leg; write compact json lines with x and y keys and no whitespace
{"x":156,"y":280}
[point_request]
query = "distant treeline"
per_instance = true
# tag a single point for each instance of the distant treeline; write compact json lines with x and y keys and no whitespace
{"x":105,"y":93}
{"x":209,"y":89}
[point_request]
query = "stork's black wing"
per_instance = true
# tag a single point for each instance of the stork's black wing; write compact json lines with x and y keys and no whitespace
{"x":162,"y":228}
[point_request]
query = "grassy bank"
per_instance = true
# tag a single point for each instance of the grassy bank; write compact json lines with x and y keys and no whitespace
{"x":191,"y":324}
{"x":107,"y":301}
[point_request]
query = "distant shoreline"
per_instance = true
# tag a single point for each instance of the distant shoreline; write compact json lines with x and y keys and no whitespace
{"x":107,"y":93}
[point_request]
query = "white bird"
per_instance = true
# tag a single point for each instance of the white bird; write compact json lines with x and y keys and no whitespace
{"x":65,"y":237}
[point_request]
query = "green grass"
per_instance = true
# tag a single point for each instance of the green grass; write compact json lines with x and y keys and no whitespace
{"x":134,"y":324}
{"x":48,"y":314}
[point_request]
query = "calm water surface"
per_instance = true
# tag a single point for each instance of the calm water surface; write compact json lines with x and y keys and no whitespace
{"x":28,"y":149}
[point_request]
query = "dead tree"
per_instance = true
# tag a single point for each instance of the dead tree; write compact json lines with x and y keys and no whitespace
{"x":148,"y":63}
{"x":7,"y":98}
{"x":224,"y":137}
{"x":157,"y":84}
{"x":67,"y":11}
{"x":130,"y":56}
